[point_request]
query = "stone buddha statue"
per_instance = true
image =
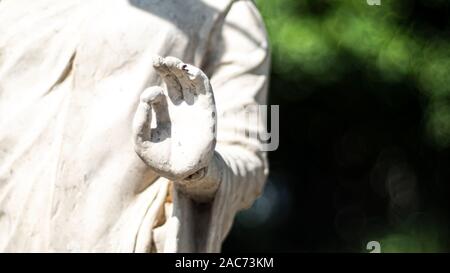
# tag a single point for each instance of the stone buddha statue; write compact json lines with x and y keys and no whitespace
{"x":123,"y":123}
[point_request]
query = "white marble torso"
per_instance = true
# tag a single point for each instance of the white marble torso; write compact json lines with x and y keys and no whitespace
{"x":71,"y":73}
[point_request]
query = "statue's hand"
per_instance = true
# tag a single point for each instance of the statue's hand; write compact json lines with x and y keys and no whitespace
{"x":180,"y":142}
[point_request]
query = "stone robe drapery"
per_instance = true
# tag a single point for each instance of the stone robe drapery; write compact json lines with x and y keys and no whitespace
{"x":71,"y":73}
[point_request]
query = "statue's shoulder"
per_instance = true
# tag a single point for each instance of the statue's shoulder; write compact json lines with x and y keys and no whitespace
{"x":188,"y":15}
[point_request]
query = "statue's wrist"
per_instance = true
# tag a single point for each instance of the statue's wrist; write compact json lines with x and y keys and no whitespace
{"x":203,"y":184}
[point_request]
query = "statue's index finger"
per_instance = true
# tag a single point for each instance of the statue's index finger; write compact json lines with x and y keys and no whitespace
{"x":174,"y":88}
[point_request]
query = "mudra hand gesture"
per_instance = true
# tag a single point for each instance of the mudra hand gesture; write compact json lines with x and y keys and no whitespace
{"x":174,"y":129}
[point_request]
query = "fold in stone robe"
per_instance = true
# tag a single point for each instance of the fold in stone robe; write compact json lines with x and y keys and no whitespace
{"x":71,"y":73}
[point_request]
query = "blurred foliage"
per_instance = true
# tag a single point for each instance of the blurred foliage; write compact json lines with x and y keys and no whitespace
{"x":319,"y":40}
{"x":364,"y":95}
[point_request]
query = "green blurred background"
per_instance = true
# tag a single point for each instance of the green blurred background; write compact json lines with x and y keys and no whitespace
{"x":364,"y":95}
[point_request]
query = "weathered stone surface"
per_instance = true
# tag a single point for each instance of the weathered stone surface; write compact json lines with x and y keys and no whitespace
{"x":104,"y":146}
